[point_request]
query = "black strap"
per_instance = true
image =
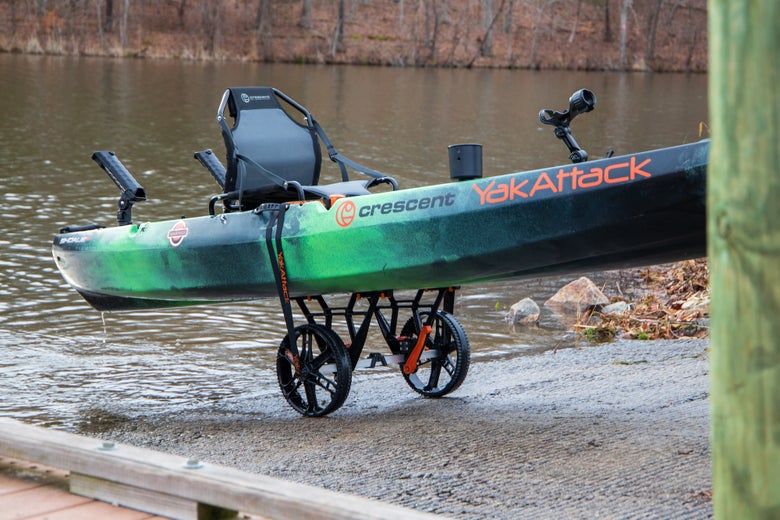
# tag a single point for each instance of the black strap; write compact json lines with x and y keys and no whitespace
{"x":276,"y":255}
{"x":277,"y":179}
{"x":336,"y":157}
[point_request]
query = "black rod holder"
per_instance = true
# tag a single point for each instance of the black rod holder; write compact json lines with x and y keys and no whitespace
{"x":580,"y":102}
{"x":130,"y":190}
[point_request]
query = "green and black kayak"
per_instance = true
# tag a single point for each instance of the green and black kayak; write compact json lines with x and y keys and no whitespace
{"x":283,"y":235}
{"x":624,"y":211}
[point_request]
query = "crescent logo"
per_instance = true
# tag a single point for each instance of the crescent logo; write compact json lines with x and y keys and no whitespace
{"x":178,"y":233}
{"x":345,"y":214}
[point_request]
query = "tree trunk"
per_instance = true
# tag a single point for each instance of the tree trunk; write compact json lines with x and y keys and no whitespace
{"x":99,"y":8}
{"x":744,"y":253}
{"x":123,"y":25}
{"x":576,"y":20}
{"x":487,"y":27}
{"x":305,"y":21}
{"x":508,"y":20}
{"x":13,"y":18}
{"x":181,"y":11}
{"x":541,"y":6}
{"x":108,"y":22}
{"x":694,"y":39}
{"x":607,"y":28}
{"x":623,"y":31}
{"x":216,"y":32}
{"x":435,"y":32}
{"x":653,"y":16}
{"x":264,"y":24}
{"x":338,"y":36}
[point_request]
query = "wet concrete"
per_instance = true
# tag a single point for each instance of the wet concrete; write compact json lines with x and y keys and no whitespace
{"x":618,"y":430}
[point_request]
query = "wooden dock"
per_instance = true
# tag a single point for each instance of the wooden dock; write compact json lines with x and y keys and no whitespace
{"x":58,"y":475}
{"x":34,"y":492}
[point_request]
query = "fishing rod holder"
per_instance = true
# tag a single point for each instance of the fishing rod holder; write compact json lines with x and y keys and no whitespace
{"x":465,"y":161}
{"x":580,"y":102}
{"x":130,"y":190}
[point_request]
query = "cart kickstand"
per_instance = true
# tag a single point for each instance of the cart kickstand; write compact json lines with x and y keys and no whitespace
{"x":414,"y":356}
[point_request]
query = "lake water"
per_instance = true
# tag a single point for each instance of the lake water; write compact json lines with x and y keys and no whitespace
{"x":64,"y":364}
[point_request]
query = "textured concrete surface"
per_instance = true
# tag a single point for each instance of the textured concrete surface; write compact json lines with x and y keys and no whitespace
{"x":618,"y":430}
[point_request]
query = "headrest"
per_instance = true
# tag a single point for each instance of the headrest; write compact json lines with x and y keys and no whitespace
{"x":251,"y":98}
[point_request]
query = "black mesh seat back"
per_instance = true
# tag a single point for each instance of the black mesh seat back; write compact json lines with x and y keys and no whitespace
{"x":265,"y":133}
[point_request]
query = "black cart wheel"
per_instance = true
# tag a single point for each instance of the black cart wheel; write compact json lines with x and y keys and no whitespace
{"x":442,"y":373}
{"x":317,"y":382}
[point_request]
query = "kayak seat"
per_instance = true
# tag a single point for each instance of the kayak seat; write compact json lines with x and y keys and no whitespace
{"x":273,"y":157}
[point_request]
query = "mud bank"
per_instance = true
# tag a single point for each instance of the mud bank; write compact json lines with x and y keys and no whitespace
{"x":610,"y":431}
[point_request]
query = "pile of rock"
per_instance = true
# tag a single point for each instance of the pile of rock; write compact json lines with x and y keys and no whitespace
{"x":684,"y":312}
{"x":579,"y":296}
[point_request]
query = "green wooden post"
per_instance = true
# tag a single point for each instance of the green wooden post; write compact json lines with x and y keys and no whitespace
{"x":744,"y":253}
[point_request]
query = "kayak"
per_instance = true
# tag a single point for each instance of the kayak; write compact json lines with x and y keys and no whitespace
{"x":281,"y":234}
{"x":631,"y":210}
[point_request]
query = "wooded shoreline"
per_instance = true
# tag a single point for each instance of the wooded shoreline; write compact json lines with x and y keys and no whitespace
{"x":634,"y":35}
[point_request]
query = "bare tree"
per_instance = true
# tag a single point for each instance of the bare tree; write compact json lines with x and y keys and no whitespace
{"x":108,"y":24}
{"x":694,"y":38}
{"x":480,"y":51}
{"x":576,"y":21}
{"x":211,"y":21}
{"x":486,"y":48}
{"x":607,"y":28}
{"x":305,"y":21}
{"x":431,"y":25}
{"x":623,"y":31}
{"x":338,"y":34}
{"x":653,"y":16}
{"x":508,"y":20}
{"x":123,"y":24}
{"x":437,"y":8}
{"x":181,"y":11}
{"x":541,"y":7}
{"x":427,"y":24}
{"x":216,"y":35}
{"x":99,"y":9}
{"x":264,"y":24}
{"x":13,"y":18}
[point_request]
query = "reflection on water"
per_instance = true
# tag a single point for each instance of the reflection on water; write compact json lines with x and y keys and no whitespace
{"x":63,"y":364}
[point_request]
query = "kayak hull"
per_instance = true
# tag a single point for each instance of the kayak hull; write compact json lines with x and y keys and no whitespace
{"x":619,"y":212}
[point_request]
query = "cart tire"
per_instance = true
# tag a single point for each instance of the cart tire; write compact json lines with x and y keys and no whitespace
{"x":318,"y":382}
{"x":444,"y":373}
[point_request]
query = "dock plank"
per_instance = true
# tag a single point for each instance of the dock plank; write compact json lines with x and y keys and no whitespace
{"x":39,"y":500}
{"x":12,"y":485}
{"x":134,"y":497}
{"x":95,"y":509}
{"x":34,"y":485}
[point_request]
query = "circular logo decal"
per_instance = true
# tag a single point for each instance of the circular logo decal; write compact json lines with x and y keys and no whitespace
{"x":345,"y":213}
{"x":178,"y":233}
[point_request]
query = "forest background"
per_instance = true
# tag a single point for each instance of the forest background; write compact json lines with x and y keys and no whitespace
{"x":639,"y":35}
